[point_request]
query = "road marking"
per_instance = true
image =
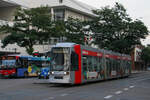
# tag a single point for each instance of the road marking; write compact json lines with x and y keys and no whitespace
{"x":118,"y":92}
{"x":131,"y":86}
{"x":126,"y":89}
{"x":108,"y":97}
{"x":64,"y":94}
{"x":50,"y":98}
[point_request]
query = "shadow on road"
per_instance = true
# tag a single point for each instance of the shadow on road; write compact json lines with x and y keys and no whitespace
{"x":79,"y":85}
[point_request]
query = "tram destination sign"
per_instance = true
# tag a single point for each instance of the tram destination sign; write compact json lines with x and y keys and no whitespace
{"x":60,"y":50}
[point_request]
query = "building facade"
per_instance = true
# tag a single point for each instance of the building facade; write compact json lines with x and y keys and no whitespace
{"x":137,"y":62}
{"x":60,"y":10}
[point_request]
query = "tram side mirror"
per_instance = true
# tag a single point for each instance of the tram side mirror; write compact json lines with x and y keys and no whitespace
{"x":74,"y":62}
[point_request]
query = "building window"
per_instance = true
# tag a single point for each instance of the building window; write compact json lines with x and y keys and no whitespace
{"x":59,"y":14}
{"x":60,"y":1}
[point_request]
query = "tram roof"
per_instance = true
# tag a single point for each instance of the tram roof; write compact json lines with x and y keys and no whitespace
{"x":70,"y":44}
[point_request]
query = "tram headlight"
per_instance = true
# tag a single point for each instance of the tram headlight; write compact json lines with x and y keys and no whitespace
{"x":51,"y":72}
{"x":48,"y":73}
{"x":38,"y":73}
{"x":66,"y":73}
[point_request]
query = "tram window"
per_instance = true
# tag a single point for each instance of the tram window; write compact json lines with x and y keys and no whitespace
{"x":129,"y":64}
{"x":90,"y":64}
{"x":84,"y":58}
{"x":74,"y":62}
{"x":108,"y":62}
{"x":100,"y":64}
{"x":113,"y":64}
{"x":116,"y":64}
{"x":96,"y":64}
{"x":126,"y":64}
{"x":119,"y":65}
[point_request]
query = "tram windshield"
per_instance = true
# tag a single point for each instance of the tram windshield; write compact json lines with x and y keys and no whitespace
{"x":60,"y":59}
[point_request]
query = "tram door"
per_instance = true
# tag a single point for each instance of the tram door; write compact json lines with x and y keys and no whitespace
{"x":89,"y":70}
{"x":85,"y":67}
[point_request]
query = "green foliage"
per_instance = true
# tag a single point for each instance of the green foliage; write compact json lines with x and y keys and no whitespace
{"x":146,"y":55}
{"x":30,"y":26}
{"x":75,"y":30}
{"x":59,"y":29}
{"x":113,"y":29}
{"x":72,"y":30}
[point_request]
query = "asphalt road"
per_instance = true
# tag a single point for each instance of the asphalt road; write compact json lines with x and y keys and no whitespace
{"x":136,"y":87}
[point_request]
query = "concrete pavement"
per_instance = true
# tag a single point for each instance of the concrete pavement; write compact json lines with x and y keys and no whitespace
{"x":136,"y":87}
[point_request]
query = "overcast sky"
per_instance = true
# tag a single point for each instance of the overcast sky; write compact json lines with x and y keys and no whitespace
{"x":137,"y":9}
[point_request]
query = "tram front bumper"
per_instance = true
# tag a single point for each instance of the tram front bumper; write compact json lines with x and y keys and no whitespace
{"x":64,"y":80}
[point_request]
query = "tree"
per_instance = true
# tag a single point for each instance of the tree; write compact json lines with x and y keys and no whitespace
{"x":59,"y":29}
{"x":71,"y":30}
{"x":31,"y":26}
{"x":113,"y":29}
{"x":75,"y":31}
{"x":145,"y":56}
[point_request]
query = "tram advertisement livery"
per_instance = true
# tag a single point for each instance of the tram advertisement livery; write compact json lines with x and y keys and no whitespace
{"x":77,"y":64}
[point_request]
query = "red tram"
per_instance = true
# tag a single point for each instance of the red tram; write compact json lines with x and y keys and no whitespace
{"x":77,"y":64}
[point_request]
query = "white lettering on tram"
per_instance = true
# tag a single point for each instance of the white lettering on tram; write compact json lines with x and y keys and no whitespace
{"x":99,"y":54}
{"x":85,"y":52}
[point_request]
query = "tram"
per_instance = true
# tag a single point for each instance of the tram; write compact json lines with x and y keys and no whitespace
{"x":76,"y":64}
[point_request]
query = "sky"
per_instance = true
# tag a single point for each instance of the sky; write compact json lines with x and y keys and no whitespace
{"x":137,"y":9}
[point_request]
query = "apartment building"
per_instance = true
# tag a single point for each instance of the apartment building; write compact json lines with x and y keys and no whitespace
{"x":60,"y":10}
